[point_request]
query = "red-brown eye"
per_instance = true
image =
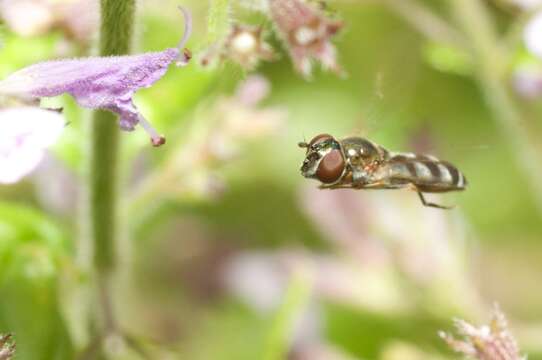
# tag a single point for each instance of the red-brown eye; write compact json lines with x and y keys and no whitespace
{"x":331,"y":167}
{"x":319,"y":138}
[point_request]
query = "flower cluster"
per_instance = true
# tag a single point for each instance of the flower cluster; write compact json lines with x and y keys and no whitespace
{"x":307,"y":32}
{"x":488,"y":342}
{"x":303,"y":27}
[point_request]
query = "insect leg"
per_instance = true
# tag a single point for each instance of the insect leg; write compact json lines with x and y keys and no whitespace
{"x":430,"y":204}
{"x":337,"y":186}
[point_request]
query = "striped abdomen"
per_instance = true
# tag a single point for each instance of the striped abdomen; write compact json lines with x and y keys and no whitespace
{"x":428,"y":173}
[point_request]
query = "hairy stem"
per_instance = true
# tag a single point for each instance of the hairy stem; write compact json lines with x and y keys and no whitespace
{"x":491,"y":59}
{"x":117,"y":22}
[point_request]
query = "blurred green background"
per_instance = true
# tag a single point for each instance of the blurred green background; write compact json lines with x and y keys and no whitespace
{"x":235,"y":255}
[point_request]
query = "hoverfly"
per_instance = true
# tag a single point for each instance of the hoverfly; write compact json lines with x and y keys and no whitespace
{"x":358,"y":163}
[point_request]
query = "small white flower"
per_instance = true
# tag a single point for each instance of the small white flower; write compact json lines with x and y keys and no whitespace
{"x":25,"y":133}
{"x":532,"y":35}
{"x":527,"y":4}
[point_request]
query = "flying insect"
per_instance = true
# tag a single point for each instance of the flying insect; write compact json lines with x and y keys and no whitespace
{"x":358,"y":163}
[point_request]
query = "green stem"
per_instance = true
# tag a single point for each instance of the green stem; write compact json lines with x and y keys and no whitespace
{"x":103,"y":188}
{"x":117,"y":22}
{"x":218,"y":21}
{"x":282,"y":327}
{"x":490,"y":55}
{"x":425,"y":21}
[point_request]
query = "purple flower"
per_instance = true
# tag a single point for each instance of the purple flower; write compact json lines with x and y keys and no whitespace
{"x":25,"y":133}
{"x":307,"y":32}
{"x":107,"y":83}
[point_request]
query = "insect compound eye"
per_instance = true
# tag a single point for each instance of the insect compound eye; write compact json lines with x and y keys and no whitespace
{"x":319,"y":138}
{"x":331,"y":167}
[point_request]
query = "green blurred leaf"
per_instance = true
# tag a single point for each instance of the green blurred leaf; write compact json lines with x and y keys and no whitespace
{"x":283,"y":326}
{"x":448,"y":59}
{"x":32,"y":249}
{"x":17,"y":52}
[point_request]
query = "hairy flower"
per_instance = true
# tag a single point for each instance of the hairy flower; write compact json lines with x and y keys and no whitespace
{"x":488,"y":342}
{"x":307,"y":31}
{"x":244,"y":45}
{"x":107,"y":83}
{"x":25,"y":132}
{"x":7,"y":347}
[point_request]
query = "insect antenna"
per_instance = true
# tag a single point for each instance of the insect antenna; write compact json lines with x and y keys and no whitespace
{"x":303,"y":144}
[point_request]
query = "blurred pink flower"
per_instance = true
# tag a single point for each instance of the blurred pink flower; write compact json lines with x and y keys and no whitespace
{"x":307,"y":32}
{"x":527,"y":80}
{"x":488,"y":342}
{"x":77,"y":18}
{"x":56,"y":186}
{"x":384,"y":234}
{"x":107,"y":83}
{"x":254,"y":90}
{"x":240,"y":117}
{"x":25,"y":133}
{"x":215,"y":138}
{"x":257,"y":278}
{"x":261,"y":280}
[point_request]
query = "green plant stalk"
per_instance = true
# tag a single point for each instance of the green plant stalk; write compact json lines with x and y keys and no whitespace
{"x":218,"y":21}
{"x":117,"y":23}
{"x":115,"y":39}
{"x":296,"y":299}
{"x":491,"y":59}
{"x":426,"y":21}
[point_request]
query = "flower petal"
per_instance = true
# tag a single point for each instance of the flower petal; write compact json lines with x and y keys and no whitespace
{"x":25,"y":133}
